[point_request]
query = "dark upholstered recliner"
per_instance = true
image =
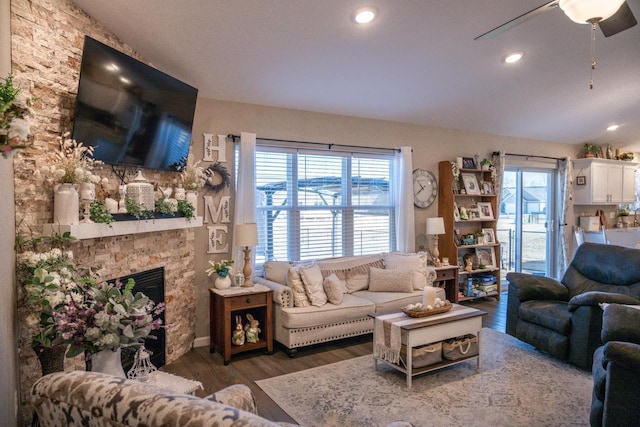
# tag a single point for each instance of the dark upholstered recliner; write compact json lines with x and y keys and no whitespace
{"x":616,"y":369}
{"x":564,"y":318}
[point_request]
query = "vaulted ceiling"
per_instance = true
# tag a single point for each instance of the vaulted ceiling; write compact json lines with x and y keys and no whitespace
{"x":416,"y":63}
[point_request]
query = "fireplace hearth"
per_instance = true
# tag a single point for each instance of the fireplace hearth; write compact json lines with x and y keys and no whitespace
{"x":150,"y":283}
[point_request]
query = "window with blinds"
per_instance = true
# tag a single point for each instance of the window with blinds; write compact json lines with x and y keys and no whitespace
{"x":322,"y":203}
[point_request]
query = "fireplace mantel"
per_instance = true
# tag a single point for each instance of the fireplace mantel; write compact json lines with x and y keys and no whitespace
{"x":119,"y":228}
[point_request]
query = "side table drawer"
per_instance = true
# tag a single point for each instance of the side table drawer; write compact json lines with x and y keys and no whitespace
{"x":445,"y":274}
{"x":247,"y":301}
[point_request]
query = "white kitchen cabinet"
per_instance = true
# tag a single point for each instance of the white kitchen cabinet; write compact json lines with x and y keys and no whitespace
{"x":603,"y":182}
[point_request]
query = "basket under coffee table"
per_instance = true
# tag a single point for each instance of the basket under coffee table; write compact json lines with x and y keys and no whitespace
{"x":420,"y":331}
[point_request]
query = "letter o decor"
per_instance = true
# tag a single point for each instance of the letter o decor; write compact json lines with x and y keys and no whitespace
{"x":225,"y":178}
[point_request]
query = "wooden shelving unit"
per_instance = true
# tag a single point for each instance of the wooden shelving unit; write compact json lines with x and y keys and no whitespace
{"x":451,"y":245}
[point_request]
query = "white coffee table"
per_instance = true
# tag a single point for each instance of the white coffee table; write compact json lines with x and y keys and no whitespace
{"x":416,"y":332}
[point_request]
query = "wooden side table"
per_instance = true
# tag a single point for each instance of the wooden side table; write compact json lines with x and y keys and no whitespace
{"x":447,"y":276}
{"x":225,"y":305}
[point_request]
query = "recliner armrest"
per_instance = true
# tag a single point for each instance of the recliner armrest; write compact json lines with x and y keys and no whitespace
{"x":620,"y":323}
{"x":530,"y":287}
{"x":594,"y":298}
{"x":623,"y":354}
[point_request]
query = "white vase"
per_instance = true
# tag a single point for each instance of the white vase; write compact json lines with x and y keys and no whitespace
{"x":87,"y":191}
{"x":66,"y":204}
{"x":192,"y":197}
{"x":108,"y":362}
{"x":222,"y":282}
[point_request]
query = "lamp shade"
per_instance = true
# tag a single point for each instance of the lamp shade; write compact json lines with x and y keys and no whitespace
{"x":583,"y":11}
{"x":435,"y":226}
{"x":246,"y":234}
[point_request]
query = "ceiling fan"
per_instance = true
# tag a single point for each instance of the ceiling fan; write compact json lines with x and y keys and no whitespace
{"x":612,"y":16}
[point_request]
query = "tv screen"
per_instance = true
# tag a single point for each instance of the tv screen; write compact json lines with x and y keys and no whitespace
{"x":131,"y":113}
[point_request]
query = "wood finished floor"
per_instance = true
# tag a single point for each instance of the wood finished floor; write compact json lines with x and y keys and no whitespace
{"x":247,"y":368}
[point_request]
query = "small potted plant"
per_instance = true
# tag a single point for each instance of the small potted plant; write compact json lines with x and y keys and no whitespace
{"x":591,"y":150}
{"x":479,"y":235}
{"x":485,"y":164}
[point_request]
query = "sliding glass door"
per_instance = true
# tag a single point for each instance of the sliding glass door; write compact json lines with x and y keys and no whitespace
{"x":527,"y":225}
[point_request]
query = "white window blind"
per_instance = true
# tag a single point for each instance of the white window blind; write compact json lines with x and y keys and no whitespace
{"x":321,"y":203}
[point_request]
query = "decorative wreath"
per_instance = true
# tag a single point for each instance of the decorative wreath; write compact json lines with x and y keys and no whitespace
{"x":217,"y":169}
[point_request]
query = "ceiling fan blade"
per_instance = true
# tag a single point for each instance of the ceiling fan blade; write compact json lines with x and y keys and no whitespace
{"x":519,"y":20}
{"x":620,"y":21}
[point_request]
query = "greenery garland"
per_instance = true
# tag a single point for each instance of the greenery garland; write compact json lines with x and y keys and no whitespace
{"x":225,"y":177}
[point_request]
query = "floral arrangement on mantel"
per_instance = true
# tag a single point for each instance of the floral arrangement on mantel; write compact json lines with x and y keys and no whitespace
{"x":195,"y":177}
{"x":14,"y":113}
{"x":68,"y":306}
{"x":221,"y":268}
{"x":72,"y":163}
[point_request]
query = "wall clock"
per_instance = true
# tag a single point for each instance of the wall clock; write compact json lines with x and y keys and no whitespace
{"x":425,"y":188}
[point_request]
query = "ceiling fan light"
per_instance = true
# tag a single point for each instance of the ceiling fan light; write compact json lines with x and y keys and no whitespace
{"x":514,"y":57}
{"x":364,"y":15}
{"x":583,"y":11}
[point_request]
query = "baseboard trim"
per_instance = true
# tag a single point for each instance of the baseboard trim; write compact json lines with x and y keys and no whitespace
{"x":201,"y":342}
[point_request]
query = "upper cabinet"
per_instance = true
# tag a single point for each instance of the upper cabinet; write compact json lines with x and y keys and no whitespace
{"x":603,"y":182}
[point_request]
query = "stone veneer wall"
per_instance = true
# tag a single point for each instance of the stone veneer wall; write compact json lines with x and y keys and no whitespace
{"x":47,"y":41}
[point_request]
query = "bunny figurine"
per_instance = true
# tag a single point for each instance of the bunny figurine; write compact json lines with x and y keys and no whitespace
{"x":251,"y":329}
{"x":237,"y":338}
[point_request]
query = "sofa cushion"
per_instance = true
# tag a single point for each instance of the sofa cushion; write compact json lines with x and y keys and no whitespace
{"x":352,"y":308}
{"x":312,"y":281}
{"x":544,"y":339}
{"x":385,"y":280}
{"x":333,"y":288}
{"x":549,"y":314}
{"x":352,"y":270}
{"x":294,"y":281}
{"x":416,"y":264}
{"x":276,"y":271}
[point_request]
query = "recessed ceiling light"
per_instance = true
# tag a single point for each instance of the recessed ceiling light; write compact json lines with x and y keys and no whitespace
{"x":613,"y":127}
{"x":364,"y":15}
{"x":514,"y":57}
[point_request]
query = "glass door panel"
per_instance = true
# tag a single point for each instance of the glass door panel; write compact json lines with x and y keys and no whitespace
{"x":524,"y":226}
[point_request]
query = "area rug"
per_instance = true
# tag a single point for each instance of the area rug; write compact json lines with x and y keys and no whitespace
{"x":516,"y":386}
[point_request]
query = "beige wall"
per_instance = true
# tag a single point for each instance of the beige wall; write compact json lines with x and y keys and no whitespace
{"x":430,"y":146}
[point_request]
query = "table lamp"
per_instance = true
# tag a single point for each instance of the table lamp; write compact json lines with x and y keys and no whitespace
{"x":435,"y":226}
{"x":246,"y":235}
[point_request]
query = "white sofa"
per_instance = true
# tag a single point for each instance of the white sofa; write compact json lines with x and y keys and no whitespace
{"x":300,"y":326}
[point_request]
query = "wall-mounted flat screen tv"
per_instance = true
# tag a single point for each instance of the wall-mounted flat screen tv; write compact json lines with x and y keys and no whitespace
{"x":133,"y":114}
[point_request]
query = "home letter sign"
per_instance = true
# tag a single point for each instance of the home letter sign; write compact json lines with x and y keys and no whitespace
{"x":209,"y":148}
{"x":217,"y":237}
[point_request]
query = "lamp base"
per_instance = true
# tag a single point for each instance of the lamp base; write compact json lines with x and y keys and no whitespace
{"x":247,"y":268}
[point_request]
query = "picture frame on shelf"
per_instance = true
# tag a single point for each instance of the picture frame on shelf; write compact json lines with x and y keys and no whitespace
{"x":474,"y":213}
{"x":470,"y":183}
{"x":468,"y":163}
{"x":485,"y":210}
{"x":487,"y":187}
{"x":456,"y":212}
{"x":486,"y":257}
{"x":489,"y":235}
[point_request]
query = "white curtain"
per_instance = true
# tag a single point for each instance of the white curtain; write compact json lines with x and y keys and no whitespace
{"x":405,"y":230}
{"x":245,"y":203}
{"x":565,"y":178}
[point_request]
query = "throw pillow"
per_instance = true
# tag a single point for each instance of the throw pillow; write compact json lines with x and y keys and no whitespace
{"x":383,"y":280}
{"x":412,"y":263}
{"x":357,"y":281}
{"x":294,"y":281}
{"x":276,"y":271}
{"x":333,"y":289}
{"x":312,"y":281}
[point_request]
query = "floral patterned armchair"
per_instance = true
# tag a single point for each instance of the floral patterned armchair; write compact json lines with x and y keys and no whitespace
{"x":80,"y":398}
